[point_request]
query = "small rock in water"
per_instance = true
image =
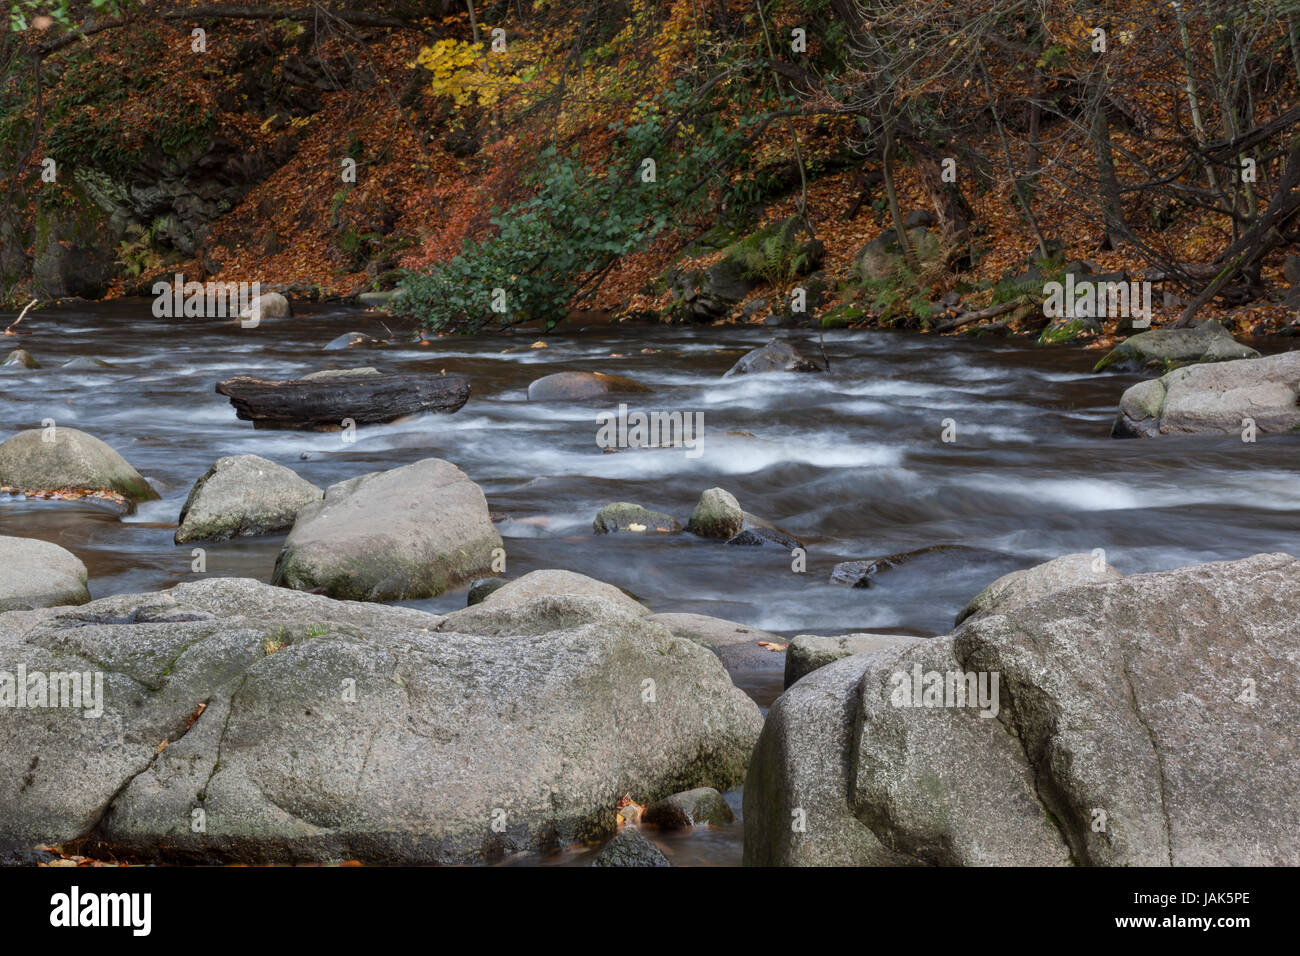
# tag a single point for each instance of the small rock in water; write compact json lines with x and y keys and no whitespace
{"x":350,"y":340}
{"x":775,"y":356}
{"x":697,"y":807}
{"x":269,"y":305}
{"x":481,"y":588}
{"x":757,"y":535}
{"x":627,"y":516}
{"x":717,"y":515}
{"x":630,"y":847}
{"x":21,"y":357}
{"x":574,"y":386}
{"x":84,"y":362}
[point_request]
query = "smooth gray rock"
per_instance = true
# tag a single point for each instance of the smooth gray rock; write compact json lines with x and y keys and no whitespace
{"x":1021,"y":587}
{"x":775,"y":356}
{"x":549,"y":582}
{"x":21,"y":358}
{"x":1215,"y":399}
{"x":808,"y":652}
{"x":411,"y":532}
{"x":630,"y":847}
{"x":579,"y":386}
{"x":1166,"y":348}
{"x":337,"y":730}
{"x":268,"y":305}
{"x":37,"y":574}
{"x":625,"y":516}
{"x":1142,"y":721}
{"x":702,"y":806}
{"x":349,"y":340}
{"x":72,"y":460}
{"x":716,"y":515}
{"x":243,"y":495}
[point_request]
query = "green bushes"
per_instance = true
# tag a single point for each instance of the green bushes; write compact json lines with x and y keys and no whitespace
{"x":577,"y":223}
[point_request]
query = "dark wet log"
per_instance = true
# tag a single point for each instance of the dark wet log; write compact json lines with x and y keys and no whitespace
{"x":323,"y":404}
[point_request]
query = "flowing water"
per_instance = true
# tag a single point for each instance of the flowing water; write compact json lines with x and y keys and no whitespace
{"x":850,"y":462}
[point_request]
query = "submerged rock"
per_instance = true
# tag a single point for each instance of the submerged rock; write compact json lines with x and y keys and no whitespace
{"x":1126,"y":720}
{"x":243,"y":495}
{"x":350,"y":340}
{"x":21,"y":358}
{"x":335,"y":730}
{"x":628,"y":517}
{"x":1168,"y":348}
{"x":410,"y":532}
{"x":65,"y":459}
{"x":1226,"y":398}
{"x":577,"y":386}
{"x":36,"y":574}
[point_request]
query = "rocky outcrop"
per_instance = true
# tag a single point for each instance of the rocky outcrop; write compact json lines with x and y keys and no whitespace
{"x":292,"y":727}
{"x":65,"y":459}
{"x":411,"y":532}
{"x":39,"y":574}
{"x":579,"y":386}
{"x":1125,"y":717}
{"x":243,"y":495}
{"x":1226,"y":398}
{"x":1021,"y":587}
{"x":1168,"y":348}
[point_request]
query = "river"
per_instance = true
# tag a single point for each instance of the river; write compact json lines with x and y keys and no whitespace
{"x":851,"y":462}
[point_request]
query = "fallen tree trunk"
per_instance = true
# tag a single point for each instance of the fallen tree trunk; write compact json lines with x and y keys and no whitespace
{"x":328,"y":403}
{"x":993,"y":311}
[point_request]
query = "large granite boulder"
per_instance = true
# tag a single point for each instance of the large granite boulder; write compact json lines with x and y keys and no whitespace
{"x":243,"y":722}
{"x":809,"y":652}
{"x":1226,"y":398}
{"x":1142,"y":721}
{"x":412,"y":532}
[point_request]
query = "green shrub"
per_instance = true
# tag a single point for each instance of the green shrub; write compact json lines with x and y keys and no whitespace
{"x":579,"y":221}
